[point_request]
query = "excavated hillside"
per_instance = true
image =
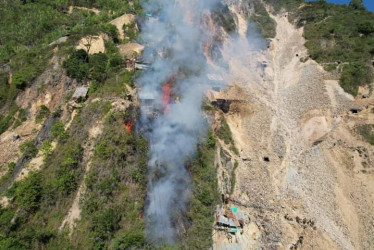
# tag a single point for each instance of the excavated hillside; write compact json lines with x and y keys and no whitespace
{"x":285,"y":148}
{"x":304,"y":176}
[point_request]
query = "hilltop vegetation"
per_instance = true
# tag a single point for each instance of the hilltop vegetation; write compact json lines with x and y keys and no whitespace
{"x":338,"y":36}
{"x":28,"y":27}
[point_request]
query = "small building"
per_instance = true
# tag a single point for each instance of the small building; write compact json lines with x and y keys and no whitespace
{"x":141,"y":66}
{"x":147,"y":101}
{"x":130,"y":64}
{"x":231,"y":219}
{"x":80,"y":94}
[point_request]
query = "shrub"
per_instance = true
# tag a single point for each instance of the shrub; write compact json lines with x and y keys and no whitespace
{"x":58,"y":131}
{"x":223,"y":17}
{"x":129,"y":239}
{"x":354,"y":75}
{"x":204,"y":199}
{"x":77,"y":65}
{"x":233,"y":177}
{"x":211,"y":141}
{"x":115,"y":60}
{"x":111,"y":30}
{"x":66,"y":182}
{"x":6,"y":217}
{"x":130,"y":31}
{"x":46,"y":149}
{"x":224,"y":131}
{"x":21,"y":117}
{"x":263,"y":21}
{"x":103,"y":225}
{"x":42,"y":113}
{"x":98,"y":66}
{"x":29,"y":149}
{"x":8,"y":173}
{"x":28,"y":192}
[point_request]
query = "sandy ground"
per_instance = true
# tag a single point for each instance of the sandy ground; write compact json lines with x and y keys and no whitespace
{"x":120,"y":21}
{"x":93,"y":44}
{"x":94,"y":10}
{"x":127,"y":50}
{"x":9,"y":148}
{"x":34,"y":165}
{"x":301,"y":121}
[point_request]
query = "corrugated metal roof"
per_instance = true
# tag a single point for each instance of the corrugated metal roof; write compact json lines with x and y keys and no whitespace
{"x":231,"y":223}
{"x":240,"y":215}
{"x":80,"y":92}
{"x":223,"y":220}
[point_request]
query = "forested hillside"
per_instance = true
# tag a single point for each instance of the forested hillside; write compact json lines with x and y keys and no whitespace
{"x":39,"y":202}
{"x":340,"y":37}
{"x":73,"y":159}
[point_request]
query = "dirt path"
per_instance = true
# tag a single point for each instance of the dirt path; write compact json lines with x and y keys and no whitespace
{"x":301,"y":125}
{"x":94,"y":10}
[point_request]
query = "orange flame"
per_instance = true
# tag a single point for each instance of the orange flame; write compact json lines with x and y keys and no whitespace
{"x":128,"y":125}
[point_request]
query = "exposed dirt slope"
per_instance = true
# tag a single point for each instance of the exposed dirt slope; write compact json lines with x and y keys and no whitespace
{"x":318,"y":168}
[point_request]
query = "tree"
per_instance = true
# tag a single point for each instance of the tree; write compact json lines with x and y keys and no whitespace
{"x":98,"y":65}
{"x":29,"y":192}
{"x":29,"y":149}
{"x":129,"y":239}
{"x":357,"y":4}
{"x":77,"y":65}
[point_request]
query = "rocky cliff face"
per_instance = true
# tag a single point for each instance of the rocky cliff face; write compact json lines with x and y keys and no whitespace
{"x":304,"y":174}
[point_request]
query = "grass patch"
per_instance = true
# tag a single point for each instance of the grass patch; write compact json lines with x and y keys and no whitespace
{"x":224,"y":132}
{"x":114,"y":86}
{"x":367,"y":132}
{"x":233,"y":177}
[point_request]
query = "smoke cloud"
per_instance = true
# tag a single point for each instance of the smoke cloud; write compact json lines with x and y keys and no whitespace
{"x":175,"y":38}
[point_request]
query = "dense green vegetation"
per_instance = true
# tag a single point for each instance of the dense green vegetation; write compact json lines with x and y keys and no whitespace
{"x":204,"y":199}
{"x":28,"y":149}
{"x":116,"y":187}
{"x":28,"y":27}
{"x":224,"y":131}
{"x":43,"y":198}
{"x":263,"y":20}
{"x":97,"y":67}
{"x":222,"y":17}
{"x":113,"y":205}
{"x":338,"y":36}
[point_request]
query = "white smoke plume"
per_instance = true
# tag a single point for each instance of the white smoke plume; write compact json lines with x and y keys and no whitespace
{"x":174,"y":39}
